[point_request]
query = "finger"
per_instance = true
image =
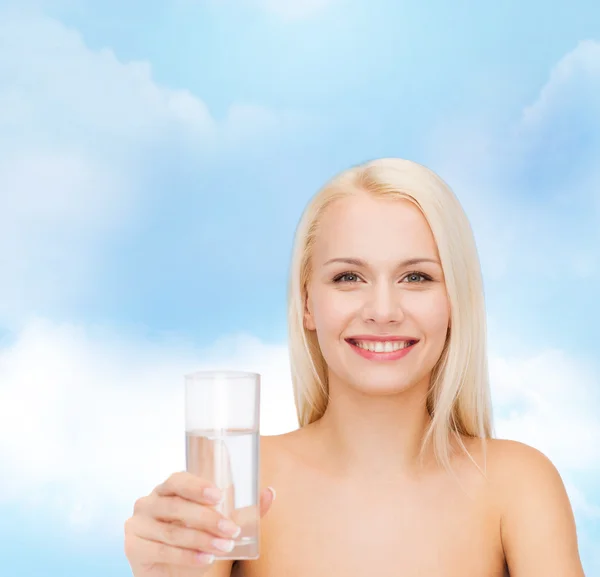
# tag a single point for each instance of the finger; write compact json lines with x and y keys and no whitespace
{"x":186,"y":513}
{"x":152,"y":552}
{"x":190,"y":487}
{"x":247,"y":516}
{"x":267,"y":497}
{"x":180,"y":536}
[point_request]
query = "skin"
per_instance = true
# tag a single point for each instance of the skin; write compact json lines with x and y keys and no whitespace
{"x":353,"y":499}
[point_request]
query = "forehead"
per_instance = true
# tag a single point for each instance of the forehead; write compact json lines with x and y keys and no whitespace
{"x":366,"y":227}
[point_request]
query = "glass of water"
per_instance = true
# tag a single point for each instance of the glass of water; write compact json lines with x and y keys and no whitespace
{"x":222,"y":416}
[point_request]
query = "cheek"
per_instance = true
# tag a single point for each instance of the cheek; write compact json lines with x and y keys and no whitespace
{"x":328,"y":314}
{"x":433,"y":315}
{"x":332,"y":311}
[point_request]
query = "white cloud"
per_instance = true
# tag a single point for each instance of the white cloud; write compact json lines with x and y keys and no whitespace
{"x":560,"y":132}
{"x":49,"y":68}
{"x":573,"y":85}
{"x":551,"y":402}
{"x":89,"y":421}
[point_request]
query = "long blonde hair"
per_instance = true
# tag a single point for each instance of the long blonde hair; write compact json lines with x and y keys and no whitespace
{"x":459,"y":396}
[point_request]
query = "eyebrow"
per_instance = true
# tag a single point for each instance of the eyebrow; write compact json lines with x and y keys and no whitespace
{"x":361,"y":263}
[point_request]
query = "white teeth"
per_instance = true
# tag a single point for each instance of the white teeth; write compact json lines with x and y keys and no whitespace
{"x":382,"y":346}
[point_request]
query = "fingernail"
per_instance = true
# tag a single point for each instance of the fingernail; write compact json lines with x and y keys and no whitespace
{"x":213,"y":494}
{"x":205,"y":558}
{"x":273,"y":492}
{"x":229,"y":528}
{"x":225,"y":545}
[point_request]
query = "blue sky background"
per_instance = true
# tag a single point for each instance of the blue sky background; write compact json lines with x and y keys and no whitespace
{"x":154,"y":160}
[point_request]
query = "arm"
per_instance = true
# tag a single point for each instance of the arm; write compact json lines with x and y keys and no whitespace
{"x":538,"y":527}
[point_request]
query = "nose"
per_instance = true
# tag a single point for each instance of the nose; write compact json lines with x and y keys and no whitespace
{"x":383,"y":306}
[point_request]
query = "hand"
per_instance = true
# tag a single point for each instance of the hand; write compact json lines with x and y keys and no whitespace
{"x":176,"y":530}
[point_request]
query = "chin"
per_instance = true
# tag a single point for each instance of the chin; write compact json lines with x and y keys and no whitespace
{"x":382,"y":387}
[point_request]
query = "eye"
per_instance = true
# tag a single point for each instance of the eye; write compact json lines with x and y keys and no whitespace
{"x":346,"y":277}
{"x":416,"y":277}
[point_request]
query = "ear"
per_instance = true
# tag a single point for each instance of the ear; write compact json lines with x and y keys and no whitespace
{"x":309,"y":323}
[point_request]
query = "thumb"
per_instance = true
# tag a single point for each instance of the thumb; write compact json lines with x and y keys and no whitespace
{"x":267,"y":496}
{"x":248,"y":514}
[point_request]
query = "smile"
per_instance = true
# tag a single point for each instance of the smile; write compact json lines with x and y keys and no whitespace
{"x":382,"y":350}
{"x":383,"y":346}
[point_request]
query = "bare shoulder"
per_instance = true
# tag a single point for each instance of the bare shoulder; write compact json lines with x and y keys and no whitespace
{"x":537,"y":523}
{"x":516,"y":469}
{"x":277,"y":445}
{"x":279,"y":453}
{"x":514,"y":455}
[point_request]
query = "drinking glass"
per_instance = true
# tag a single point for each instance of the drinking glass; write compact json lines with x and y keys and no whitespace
{"x":222,"y":418}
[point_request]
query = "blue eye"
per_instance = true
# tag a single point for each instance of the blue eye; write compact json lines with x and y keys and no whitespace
{"x":346,"y":277}
{"x":420,"y":277}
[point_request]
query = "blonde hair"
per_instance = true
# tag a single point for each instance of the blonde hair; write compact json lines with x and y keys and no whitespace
{"x":459,"y":397}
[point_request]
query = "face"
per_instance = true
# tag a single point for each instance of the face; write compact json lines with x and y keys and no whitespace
{"x":376,"y":297}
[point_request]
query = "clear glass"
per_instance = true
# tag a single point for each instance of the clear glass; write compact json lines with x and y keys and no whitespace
{"x":222,"y":426}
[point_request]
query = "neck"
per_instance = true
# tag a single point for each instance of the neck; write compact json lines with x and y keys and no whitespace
{"x":365,"y":435}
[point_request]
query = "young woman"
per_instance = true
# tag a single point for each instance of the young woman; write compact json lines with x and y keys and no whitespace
{"x":393,"y":471}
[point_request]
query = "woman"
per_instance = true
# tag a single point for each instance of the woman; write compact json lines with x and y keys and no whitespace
{"x":393,"y":471}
